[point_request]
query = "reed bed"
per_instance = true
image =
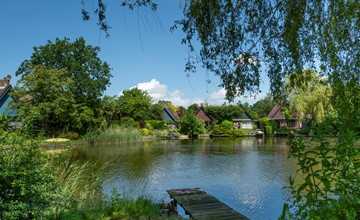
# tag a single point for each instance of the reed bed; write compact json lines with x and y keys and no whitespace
{"x":114,"y":134}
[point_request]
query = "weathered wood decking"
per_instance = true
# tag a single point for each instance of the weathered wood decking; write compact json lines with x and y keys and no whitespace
{"x":201,"y":205}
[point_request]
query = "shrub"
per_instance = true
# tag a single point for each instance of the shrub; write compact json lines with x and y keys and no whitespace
{"x":268,"y":130}
{"x":145,"y":131}
{"x":128,"y":122}
{"x":26,"y":182}
{"x":225,"y":129}
{"x":156,"y":124}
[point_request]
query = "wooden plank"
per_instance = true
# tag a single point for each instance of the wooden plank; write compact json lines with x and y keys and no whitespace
{"x":201,"y":205}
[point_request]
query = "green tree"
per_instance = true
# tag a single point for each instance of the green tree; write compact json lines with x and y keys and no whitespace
{"x":193,"y":107}
{"x":191,"y":125}
{"x":263,"y":107}
{"x":135,"y":103}
{"x":156,"y":111}
{"x":221,"y":113}
{"x":46,"y":103}
{"x":109,"y":107}
{"x":310,"y":98}
{"x":90,"y":75}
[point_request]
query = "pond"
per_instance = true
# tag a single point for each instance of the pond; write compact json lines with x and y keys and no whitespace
{"x":248,"y":174}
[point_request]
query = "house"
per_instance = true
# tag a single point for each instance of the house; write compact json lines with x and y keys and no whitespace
{"x":170,"y":116}
{"x":245,"y":121}
{"x":200,"y":114}
{"x":282,"y":121}
{"x":5,"y":99}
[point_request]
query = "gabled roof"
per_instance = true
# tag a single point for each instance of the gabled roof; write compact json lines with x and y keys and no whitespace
{"x":171,"y":114}
{"x":276,"y":113}
{"x":201,"y":115}
{"x":244,"y":117}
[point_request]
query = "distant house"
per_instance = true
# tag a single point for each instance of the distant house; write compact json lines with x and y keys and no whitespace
{"x":281,"y":121}
{"x":5,"y":99}
{"x":170,"y":116}
{"x":245,"y":121}
{"x":200,"y":114}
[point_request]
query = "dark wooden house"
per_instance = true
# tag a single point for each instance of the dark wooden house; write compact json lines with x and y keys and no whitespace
{"x":281,"y":121}
{"x":200,"y":114}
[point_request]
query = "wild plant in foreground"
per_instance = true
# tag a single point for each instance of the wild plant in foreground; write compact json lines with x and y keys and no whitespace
{"x":331,"y":185}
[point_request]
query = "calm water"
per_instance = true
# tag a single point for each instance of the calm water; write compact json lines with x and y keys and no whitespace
{"x":248,"y":174}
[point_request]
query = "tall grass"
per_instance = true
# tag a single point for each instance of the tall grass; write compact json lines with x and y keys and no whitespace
{"x":114,"y":134}
{"x":79,"y":187}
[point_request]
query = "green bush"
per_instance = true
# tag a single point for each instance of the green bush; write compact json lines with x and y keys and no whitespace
{"x":225,"y":129}
{"x":26,"y":182}
{"x":268,"y":130}
{"x":156,"y":124}
{"x":128,"y":122}
{"x":145,"y":131}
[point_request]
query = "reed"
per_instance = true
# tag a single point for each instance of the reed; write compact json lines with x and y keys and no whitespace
{"x":114,"y":134}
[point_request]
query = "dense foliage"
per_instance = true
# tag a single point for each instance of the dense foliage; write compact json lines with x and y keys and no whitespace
{"x":191,"y":125}
{"x":310,"y":100}
{"x":330,"y":189}
{"x":221,"y":113}
{"x":60,"y":88}
{"x":135,"y":103}
{"x":262,"y":107}
{"x":225,"y":129}
{"x":27,"y":184}
{"x":90,"y":75}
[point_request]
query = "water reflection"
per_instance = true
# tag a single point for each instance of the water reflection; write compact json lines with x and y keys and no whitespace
{"x":248,"y":174}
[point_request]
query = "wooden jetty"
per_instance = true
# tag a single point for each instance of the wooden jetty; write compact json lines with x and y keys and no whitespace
{"x":198,"y":204}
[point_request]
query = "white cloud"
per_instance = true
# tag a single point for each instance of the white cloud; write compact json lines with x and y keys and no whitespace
{"x":160,"y":91}
{"x":155,"y":89}
{"x":218,"y":98}
{"x":176,"y":98}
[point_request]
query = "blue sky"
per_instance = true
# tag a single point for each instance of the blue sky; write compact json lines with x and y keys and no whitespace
{"x":141,"y":50}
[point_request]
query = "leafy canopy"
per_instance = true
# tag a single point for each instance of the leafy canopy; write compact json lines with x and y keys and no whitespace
{"x":135,"y":103}
{"x":89,"y":73}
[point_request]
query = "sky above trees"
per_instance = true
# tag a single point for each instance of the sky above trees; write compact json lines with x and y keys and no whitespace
{"x":141,"y":50}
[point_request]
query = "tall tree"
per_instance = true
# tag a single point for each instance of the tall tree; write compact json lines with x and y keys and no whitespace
{"x":135,"y":103}
{"x":45,"y":101}
{"x":89,"y":73}
{"x":309,"y":98}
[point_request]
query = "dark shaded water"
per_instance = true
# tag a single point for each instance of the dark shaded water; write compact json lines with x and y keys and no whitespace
{"x":248,"y":174}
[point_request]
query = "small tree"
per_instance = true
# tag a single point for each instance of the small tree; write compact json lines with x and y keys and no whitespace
{"x":135,"y":103}
{"x":191,"y":125}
